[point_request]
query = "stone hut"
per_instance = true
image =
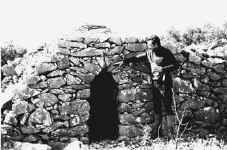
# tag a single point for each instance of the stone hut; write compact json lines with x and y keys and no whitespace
{"x":75,"y":95}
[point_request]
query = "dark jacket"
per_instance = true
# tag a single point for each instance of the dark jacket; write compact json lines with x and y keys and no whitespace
{"x":142,"y":63}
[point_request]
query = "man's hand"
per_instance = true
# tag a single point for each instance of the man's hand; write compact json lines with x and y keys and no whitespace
{"x":157,"y":69}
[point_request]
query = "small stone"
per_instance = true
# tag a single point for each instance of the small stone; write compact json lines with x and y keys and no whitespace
{"x":70,"y":80}
{"x":48,"y":99}
{"x":33,"y":81}
{"x":126,"y":95}
{"x":74,"y":121}
{"x":221,"y":90}
{"x":81,"y":107}
{"x":224,"y":82}
{"x":89,"y":52}
{"x":224,"y":122}
{"x":87,"y":78}
{"x":124,"y":108}
{"x":77,"y":45}
{"x":194,"y":59}
{"x":130,"y":131}
{"x":102,"y":45}
{"x":45,"y":68}
{"x":56,"y":91}
{"x":10,"y":118}
{"x":29,"y":130}
{"x":63,"y":63}
{"x":60,"y":132}
{"x":134,"y":47}
{"x":89,"y":40}
{"x":42,"y":85}
{"x":65,"y":97}
{"x":127,"y":119}
{"x":211,"y":115}
{"x":31,"y":146}
{"x":8,"y":70}
{"x":20,"y":107}
{"x":83,"y":94}
{"x":131,"y":39}
{"x":75,"y":61}
{"x":115,"y":50}
{"x":78,"y":130}
{"x":214,"y":76}
{"x":41,"y":117}
{"x":56,"y":73}
{"x":115,"y":40}
{"x":56,"y":82}
{"x":94,"y":69}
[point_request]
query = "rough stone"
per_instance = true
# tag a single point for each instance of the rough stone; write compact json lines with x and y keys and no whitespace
{"x":20,"y":107}
{"x":126,"y":95}
{"x":10,"y":118}
{"x":31,"y":146}
{"x":45,"y":68}
{"x":127,"y":119}
{"x":195,"y":59}
{"x":70,"y":80}
{"x":40,"y":117}
{"x":115,"y":40}
{"x":94,"y":69}
{"x":8,"y":70}
{"x":136,"y":47}
{"x":48,"y":99}
{"x":42,"y":85}
{"x":124,"y":108}
{"x":102,"y":45}
{"x":130,"y":131}
{"x":78,"y":130}
{"x":224,"y":122}
{"x":63,"y":63}
{"x":29,"y":130}
{"x":74,"y":121}
{"x":77,"y":45}
{"x":87,"y":78}
{"x":88,"y":52}
{"x":115,"y":50}
{"x":224,"y":82}
{"x":83,"y":94}
{"x":65,"y":97}
{"x":56,"y":73}
{"x":211,"y":115}
{"x":214,"y":76}
{"x":33,"y":81}
{"x":56,"y":82}
{"x":131,"y":40}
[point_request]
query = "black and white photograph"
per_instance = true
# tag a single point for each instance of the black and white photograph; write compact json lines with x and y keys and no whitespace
{"x":113,"y":74}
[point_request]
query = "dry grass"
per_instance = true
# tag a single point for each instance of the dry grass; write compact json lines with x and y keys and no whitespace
{"x":160,"y":144}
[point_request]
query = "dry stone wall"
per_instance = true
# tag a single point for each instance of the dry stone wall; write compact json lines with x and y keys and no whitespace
{"x":55,"y":105}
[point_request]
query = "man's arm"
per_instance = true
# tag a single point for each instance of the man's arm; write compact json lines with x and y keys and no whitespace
{"x":171,"y":63}
{"x":134,"y":57}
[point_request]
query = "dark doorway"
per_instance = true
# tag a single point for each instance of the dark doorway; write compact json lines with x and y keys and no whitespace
{"x":104,"y":120}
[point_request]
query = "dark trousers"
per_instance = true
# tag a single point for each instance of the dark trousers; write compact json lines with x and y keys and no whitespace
{"x":162,"y":98}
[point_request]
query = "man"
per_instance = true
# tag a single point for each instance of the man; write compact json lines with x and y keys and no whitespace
{"x":160,"y":62}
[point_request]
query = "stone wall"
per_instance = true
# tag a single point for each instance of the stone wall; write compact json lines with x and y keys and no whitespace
{"x":55,"y":105}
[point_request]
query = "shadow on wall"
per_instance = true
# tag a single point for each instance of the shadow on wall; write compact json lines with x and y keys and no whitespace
{"x":104,"y":120}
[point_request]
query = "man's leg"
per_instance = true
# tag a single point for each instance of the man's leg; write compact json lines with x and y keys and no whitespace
{"x":169,"y":118}
{"x":157,"y":111}
{"x":168,"y":100}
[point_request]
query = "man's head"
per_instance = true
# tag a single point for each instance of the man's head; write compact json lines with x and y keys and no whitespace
{"x":153,"y":41}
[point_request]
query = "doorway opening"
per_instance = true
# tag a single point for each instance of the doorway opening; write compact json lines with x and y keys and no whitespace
{"x":104,"y":120}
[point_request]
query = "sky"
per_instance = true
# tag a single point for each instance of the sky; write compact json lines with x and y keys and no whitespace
{"x":29,"y":23}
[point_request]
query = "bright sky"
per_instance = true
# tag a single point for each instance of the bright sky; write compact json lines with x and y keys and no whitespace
{"x":31,"y":22}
